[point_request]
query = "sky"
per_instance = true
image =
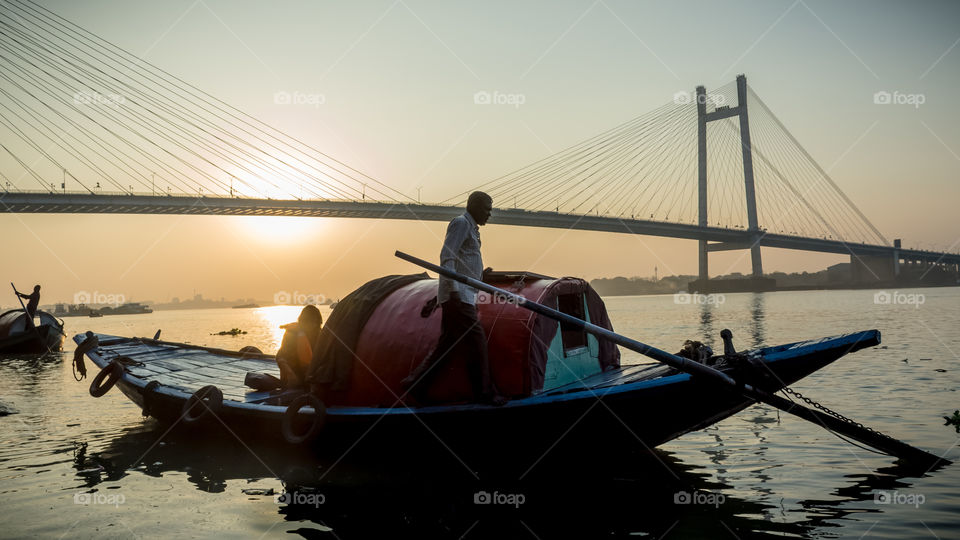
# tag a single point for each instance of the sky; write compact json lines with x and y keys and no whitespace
{"x":398,"y":79}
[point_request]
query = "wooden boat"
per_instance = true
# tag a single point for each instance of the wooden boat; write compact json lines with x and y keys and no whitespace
{"x":556,"y":378}
{"x":161,"y":377}
{"x":17,"y":335}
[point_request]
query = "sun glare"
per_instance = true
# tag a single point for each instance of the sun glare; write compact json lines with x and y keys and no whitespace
{"x":281,"y":229}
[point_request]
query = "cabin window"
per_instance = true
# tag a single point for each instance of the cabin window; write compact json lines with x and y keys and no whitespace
{"x":573,"y":338}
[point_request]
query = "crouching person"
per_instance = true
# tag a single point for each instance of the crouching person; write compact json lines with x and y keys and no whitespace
{"x":296,"y":349}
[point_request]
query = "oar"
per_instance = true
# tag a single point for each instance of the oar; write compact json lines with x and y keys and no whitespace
{"x":882,"y":443}
{"x":29,"y":317}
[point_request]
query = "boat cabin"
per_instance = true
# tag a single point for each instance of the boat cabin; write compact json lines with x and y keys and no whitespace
{"x":365,"y":358}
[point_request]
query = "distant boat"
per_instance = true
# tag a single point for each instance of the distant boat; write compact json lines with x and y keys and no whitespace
{"x":72,"y":310}
{"x":130,"y":308}
{"x":17,"y":335}
{"x":246,"y":306}
{"x":94,"y":313}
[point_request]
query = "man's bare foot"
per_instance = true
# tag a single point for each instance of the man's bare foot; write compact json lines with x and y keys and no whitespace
{"x":496,"y":400}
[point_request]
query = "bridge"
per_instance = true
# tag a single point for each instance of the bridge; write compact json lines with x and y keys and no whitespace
{"x":87,"y":127}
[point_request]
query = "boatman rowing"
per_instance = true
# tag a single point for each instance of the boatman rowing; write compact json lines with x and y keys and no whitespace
{"x":33,"y":301}
{"x":460,"y":332}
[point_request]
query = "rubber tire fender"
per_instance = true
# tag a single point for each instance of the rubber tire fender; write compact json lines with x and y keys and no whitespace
{"x":214,"y":403}
{"x":112,"y":373}
{"x":319,"y":419}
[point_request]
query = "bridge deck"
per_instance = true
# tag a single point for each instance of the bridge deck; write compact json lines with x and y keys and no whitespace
{"x":74,"y":203}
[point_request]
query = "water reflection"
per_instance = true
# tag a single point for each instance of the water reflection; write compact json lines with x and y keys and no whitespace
{"x":757,"y":323}
{"x":378,"y":491}
{"x":272,"y":318}
{"x":756,"y":316}
{"x":30,"y":370}
{"x":706,"y":324}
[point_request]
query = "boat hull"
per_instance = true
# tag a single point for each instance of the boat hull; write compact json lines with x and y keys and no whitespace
{"x":16,"y":337}
{"x":633,"y":405}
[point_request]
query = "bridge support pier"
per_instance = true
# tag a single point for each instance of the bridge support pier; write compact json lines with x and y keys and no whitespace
{"x":896,"y":258}
{"x":740,"y":111}
{"x":701,"y":93}
{"x":752,"y":222}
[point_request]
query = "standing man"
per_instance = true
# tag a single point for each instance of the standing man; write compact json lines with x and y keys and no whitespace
{"x":460,"y":330}
{"x":33,"y":301}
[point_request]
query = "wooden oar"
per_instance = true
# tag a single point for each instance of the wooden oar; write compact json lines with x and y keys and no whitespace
{"x":882,"y":443}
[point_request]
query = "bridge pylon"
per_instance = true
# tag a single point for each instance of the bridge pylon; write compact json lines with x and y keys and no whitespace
{"x":703,"y":117}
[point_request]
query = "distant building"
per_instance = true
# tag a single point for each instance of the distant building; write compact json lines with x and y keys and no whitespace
{"x":839,"y":273}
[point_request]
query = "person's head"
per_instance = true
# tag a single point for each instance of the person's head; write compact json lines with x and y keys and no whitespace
{"x":310,"y":316}
{"x":479,"y":205}
{"x":36,"y":288}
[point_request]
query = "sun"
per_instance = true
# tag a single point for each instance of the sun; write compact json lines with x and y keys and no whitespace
{"x":281,"y":229}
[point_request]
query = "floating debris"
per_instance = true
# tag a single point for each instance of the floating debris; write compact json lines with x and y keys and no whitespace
{"x":955,"y":421}
{"x":231,"y":332}
{"x":6,"y":410}
{"x":257,"y":491}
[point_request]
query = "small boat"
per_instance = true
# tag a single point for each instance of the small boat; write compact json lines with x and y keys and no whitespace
{"x":130,"y":308}
{"x":555,"y":375}
{"x":19,"y":335}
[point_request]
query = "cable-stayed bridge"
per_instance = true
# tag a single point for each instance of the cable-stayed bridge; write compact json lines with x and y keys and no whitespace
{"x":86,"y":127}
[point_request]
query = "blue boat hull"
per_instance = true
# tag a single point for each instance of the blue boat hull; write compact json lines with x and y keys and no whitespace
{"x":643,"y":406}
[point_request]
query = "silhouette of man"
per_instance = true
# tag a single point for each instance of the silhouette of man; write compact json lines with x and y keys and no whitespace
{"x":33,"y":300}
{"x":460,"y":330}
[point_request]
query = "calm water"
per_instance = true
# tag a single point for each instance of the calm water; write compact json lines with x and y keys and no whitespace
{"x":757,"y":474}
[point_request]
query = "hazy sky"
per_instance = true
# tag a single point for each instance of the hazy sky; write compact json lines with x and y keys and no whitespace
{"x":398,"y":79}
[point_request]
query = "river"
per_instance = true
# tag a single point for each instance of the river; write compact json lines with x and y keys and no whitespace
{"x":76,"y":467}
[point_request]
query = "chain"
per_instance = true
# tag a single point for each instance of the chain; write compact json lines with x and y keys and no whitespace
{"x":831,"y":412}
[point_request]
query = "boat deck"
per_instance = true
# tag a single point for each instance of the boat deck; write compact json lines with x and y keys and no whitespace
{"x":189,"y":368}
